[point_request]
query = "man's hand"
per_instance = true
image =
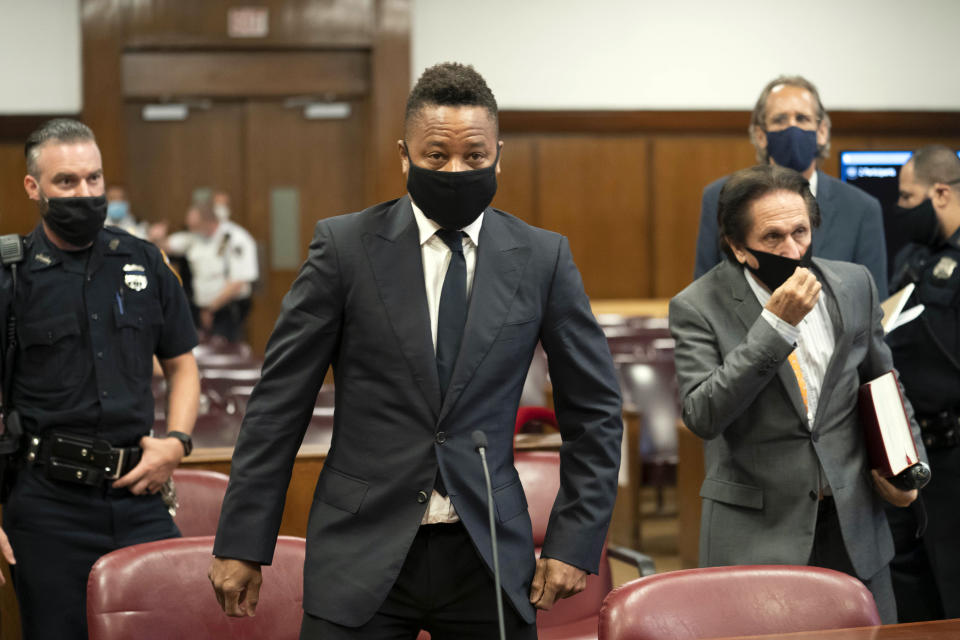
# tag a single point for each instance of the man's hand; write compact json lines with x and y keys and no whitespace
{"x":160,"y":457}
{"x":554,"y":580}
{"x":7,"y":552}
{"x":796,"y":297}
{"x":237,"y":585}
{"x":893,"y":495}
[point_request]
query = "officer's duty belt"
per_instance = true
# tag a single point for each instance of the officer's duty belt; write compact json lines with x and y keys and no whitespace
{"x":941,"y":430}
{"x":87,"y":461}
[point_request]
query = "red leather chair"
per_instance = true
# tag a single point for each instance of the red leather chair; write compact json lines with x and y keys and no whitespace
{"x":527,"y":415}
{"x":199,"y":494}
{"x":574,"y":617}
{"x":160,"y":591}
{"x":719,"y":602}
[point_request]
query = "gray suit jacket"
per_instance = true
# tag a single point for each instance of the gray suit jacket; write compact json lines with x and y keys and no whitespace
{"x":851,"y":228}
{"x":763,"y":462}
{"x":359,"y":304}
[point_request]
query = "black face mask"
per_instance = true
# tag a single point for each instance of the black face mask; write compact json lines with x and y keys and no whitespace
{"x":920,"y":223}
{"x":76,"y":220}
{"x":452,"y":199}
{"x":774,"y":270}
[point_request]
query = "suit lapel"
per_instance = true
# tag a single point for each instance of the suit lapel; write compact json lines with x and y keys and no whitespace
{"x":397,"y":263}
{"x":839,"y":306}
{"x":500,"y":264}
{"x":824,"y":199}
{"x":747,"y":309}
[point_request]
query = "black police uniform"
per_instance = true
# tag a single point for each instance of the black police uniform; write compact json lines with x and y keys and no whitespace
{"x":926,"y":352}
{"x":88,"y":324}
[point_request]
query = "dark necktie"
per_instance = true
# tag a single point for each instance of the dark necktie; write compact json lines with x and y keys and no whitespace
{"x":452,"y":313}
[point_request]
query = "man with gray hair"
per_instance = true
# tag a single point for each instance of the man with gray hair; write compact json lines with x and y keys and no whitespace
{"x":926,"y":351}
{"x":790,"y":128}
{"x":85,"y":311}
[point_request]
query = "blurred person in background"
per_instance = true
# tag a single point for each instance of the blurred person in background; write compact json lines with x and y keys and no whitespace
{"x":119,"y":214}
{"x":222,"y":257}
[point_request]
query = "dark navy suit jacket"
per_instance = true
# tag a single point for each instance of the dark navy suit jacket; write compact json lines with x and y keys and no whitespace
{"x":359,"y":304}
{"x":851,"y":228}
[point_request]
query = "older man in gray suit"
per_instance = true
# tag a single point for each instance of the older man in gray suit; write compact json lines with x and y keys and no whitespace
{"x":772,"y":346}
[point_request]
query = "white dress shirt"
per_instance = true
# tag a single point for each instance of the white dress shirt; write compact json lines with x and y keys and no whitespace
{"x":436,"y":258}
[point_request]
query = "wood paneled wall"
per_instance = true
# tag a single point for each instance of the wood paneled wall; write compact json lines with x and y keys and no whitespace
{"x":625,"y":187}
{"x":627,"y":196}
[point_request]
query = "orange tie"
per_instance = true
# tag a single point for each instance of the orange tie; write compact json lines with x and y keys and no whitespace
{"x":795,"y":363}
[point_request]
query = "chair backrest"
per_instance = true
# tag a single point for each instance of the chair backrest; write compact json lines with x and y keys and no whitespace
{"x":200,"y":495}
{"x":540,"y":475}
{"x":716,"y":602}
{"x":527,"y":414}
{"x":160,"y":591}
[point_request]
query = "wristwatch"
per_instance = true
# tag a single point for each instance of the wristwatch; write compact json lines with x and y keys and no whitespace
{"x":184,"y":439}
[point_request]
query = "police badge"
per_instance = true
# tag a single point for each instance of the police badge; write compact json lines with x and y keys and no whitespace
{"x":135,"y":277}
{"x":944,"y":269}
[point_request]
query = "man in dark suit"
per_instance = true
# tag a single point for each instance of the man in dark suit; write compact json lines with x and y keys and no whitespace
{"x":789,"y":127}
{"x":429,"y":307}
{"x":772,"y":347}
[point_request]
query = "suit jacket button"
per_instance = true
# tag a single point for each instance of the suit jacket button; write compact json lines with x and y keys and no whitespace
{"x":814,"y":495}
{"x":815,"y":436}
{"x":441,"y":437}
{"x":422,"y":497}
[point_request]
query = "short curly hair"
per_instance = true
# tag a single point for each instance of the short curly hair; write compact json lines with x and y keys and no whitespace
{"x":450,"y":84}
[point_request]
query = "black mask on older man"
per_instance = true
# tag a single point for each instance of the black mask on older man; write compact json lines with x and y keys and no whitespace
{"x":774,"y":270}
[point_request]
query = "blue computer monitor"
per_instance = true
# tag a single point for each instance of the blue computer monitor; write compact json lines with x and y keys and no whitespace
{"x":875,"y":172}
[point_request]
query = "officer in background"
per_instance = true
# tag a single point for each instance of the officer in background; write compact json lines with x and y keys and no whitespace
{"x":119,"y":214}
{"x":221,"y":205}
{"x":926,"y":351}
{"x":222,"y":257}
{"x":93,"y":305}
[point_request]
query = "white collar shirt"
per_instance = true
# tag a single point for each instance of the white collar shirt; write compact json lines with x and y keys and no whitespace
{"x":436,"y":258}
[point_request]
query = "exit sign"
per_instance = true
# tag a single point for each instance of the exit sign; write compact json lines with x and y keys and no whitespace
{"x":248,"y":22}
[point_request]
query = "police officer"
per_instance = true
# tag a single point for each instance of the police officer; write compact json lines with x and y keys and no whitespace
{"x":926,"y":352}
{"x":93,"y":305}
{"x":222,"y":257}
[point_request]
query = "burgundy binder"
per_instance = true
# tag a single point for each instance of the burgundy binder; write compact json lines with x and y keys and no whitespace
{"x":886,"y":426}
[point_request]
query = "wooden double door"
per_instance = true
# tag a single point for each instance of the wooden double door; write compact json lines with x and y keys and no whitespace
{"x":283,"y":172}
